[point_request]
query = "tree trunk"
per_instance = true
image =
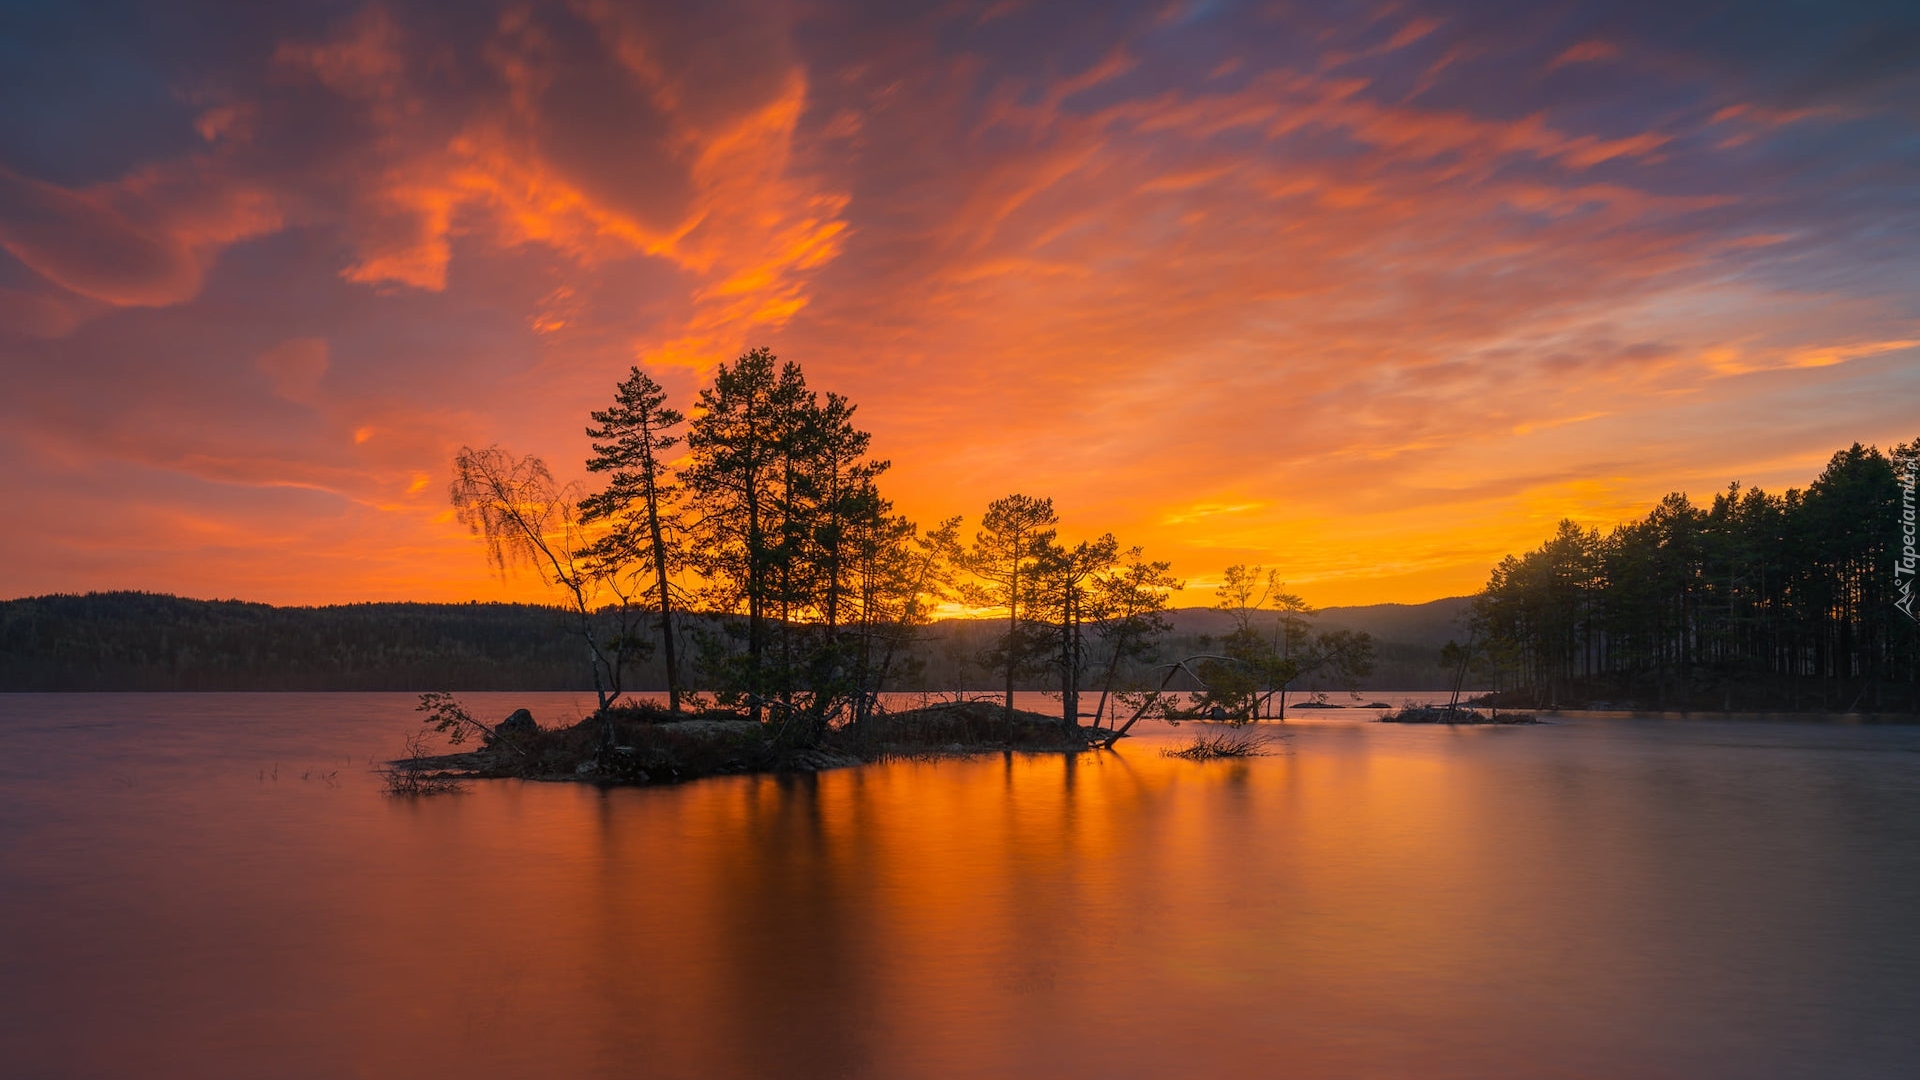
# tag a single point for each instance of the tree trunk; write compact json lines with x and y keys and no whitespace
{"x":1013,"y":635}
{"x":755,"y":588}
{"x":666,"y":598}
{"x":1067,"y":705}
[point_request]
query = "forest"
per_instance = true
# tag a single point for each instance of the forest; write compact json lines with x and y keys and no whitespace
{"x":1793,"y":601}
{"x":145,"y":641}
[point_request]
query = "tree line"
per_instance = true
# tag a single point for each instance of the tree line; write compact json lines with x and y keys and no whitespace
{"x":148,"y":642}
{"x":1757,"y":600}
{"x":762,"y":517}
{"x":153,"y":642}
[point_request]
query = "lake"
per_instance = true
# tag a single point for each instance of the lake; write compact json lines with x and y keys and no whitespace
{"x":215,"y":886}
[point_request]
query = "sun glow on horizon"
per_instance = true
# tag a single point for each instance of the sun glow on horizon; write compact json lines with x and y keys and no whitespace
{"x":1371,"y":300}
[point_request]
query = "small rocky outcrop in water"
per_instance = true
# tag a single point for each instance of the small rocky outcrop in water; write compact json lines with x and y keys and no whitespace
{"x":1441,"y":714}
{"x":515,"y":730}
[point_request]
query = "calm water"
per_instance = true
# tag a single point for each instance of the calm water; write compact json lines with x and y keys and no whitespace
{"x":213,"y":886}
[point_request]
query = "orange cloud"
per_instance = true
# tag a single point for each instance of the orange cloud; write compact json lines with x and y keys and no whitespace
{"x":740,"y":220}
{"x":141,"y":242}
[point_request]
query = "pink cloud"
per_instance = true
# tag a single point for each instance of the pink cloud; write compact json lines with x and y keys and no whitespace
{"x":1586,"y":52}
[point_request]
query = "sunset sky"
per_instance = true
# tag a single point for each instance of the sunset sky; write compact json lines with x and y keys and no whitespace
{"x":1374,"y":292}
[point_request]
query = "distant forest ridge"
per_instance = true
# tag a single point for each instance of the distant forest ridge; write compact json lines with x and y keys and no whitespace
{"x":150,"y":641}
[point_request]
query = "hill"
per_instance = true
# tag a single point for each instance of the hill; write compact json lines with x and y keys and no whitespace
{"x":148,"y":641}
{"x":1431,"y":624}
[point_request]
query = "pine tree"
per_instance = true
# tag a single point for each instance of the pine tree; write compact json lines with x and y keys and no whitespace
{"x":632,"y":444}
{"x":732,"y":481}
{"x":1014,"y":536}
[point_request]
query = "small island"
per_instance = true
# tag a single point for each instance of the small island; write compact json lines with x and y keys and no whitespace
{"x":643,"y":743}
{"x":747,"y":554}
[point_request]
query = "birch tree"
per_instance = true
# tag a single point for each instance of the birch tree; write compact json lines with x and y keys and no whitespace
{"x":527,"y":520}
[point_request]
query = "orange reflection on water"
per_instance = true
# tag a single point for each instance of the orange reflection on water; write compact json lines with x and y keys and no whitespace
{"x":1557,"y":901}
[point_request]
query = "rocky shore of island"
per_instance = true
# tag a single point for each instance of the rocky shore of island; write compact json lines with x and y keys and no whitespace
{"x":642,"y":744}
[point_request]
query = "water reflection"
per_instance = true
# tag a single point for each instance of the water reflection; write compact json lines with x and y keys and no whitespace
{"x":1605,"y":898}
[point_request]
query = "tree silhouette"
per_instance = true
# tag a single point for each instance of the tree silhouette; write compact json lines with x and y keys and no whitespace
{"x":631,"y":444}
{"x":526,"y":519}
{"x":735,"y":444}
{"x":1260,"y":664}
{"x":1060,"y":590}
{"x":791,"y":531}
{"x":1014,"y":537}
{"x":1762,"y":598}
{"x":1128,"y":614}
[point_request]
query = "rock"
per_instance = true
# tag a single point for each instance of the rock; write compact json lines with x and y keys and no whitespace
{"x":520,"y":723}
{"x":819,"y":760}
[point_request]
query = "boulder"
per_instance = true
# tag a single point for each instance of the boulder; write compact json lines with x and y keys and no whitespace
{"x":520,"y":723}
